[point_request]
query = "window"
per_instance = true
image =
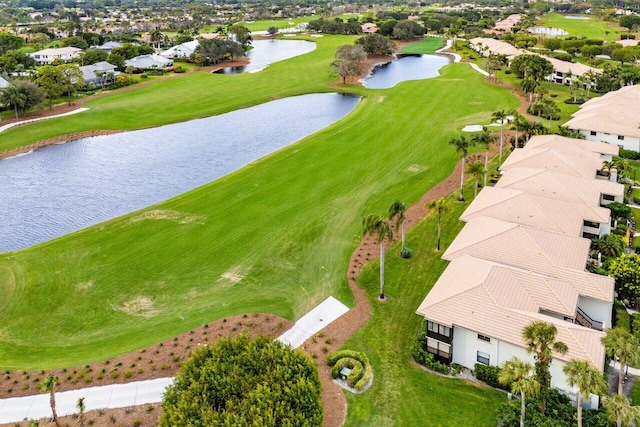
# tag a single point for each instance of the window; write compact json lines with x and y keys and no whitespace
{"x":593,"y":133}
{"x":439,"y":329}
{"x":591,"y":224}
{"x":439,"y":348}
{"x":484,"y":338}
{"x":482,"y":358}
{"x":621,"y":137}
{"x":608,"y":197}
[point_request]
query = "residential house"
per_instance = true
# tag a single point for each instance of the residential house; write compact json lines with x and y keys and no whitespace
{"x":149,"y":61}
{"x":486,"y":46}
{"x":369,"y":28}
{"x":183,"y":50}
{"x":4,"y":83}
{"x":573,"y":145}
{"x":585,"y":164}
{"x":99,"y":74}
{"x":107,"y":46}
{"x":47,"y":56}
{"x":613,"y":118}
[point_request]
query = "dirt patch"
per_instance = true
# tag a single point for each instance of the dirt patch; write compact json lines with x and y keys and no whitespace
{"x":169,"y":215}
{"x":139,"y":306}
{"x":234,"y":275}
{"x":84,"y":285}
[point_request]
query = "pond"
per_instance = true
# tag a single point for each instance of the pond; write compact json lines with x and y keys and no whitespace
{"x":267,"y":52}
{"x":409,"y":67}
{"x":582,"y":18}
{"x":548,"y":31}
{"x":63,"y":188}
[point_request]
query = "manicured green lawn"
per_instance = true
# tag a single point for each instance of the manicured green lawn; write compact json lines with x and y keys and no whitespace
{"x":264,"y":24}
{"x":426,"y":45}
{"x":590,"y":28}
{"x":288,"y":234}
{"x":402,"y":393}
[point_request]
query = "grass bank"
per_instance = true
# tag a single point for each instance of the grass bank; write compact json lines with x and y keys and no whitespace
{"x":258,"y":240}
{"x":402,"y":392}
{"x":590,"y":28}
{"x":427,"y":45}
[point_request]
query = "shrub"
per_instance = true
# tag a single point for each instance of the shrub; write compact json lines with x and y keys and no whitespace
{"x":406,"y":253}
{"x":489,"y":375}
{"x":629,"y":154}
{"x":357,"y":361}
{"x":179,"y":70}
{"x":562,"y":56}
{"x":425,"y":358}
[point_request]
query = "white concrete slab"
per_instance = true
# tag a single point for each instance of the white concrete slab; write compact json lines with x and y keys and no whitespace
{"x":313,"y":322}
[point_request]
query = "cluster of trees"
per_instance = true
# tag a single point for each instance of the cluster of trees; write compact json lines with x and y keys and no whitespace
{"x":212,"y":51}
{"x":239,"y":381}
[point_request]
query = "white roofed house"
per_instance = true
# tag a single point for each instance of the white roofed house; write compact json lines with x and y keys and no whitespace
{"x":183,"y":50}
{"x":107,"y":46}
{"x":99,"y":74}
{"x":573,"y":145}
{"x":149,"y":61}
{"x":47,"y":56}
{"x":613,"y":118}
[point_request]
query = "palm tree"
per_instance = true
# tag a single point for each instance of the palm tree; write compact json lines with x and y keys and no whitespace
{"x":476,"y":169}
{"x":622,"y":165}
{"x":440,"y":206}
{"x":500,"y":116}
{"x":623,"y":344}
{"x":540,"y":338}
{"x":397,"y":210}
{"x":607,"y":165}
{"x":519,"y":375}
{"x":462,"y":145}
{"x":588,"y":379}
{"x":374,"y":225}
{"x":609,"y":245}
{"x":47,"y":386}
{"x":81,"y":407}
{"x":13,"y":96}
{"x":620,"y":410}
{"x":485,"y":138}
{"x":517,"y":120}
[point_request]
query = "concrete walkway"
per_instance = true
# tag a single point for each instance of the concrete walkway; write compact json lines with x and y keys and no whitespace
{"x":478,"y":69}
{"x":143,"y":392}
{"x":456,"y":58}
{"x":37,"y":119}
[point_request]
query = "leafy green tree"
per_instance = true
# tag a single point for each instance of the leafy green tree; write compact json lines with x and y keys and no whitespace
{"x":48,"y":385}
{"x":540,"y":338}
{"x":33,"y":94}
{"x":619,"y":210}
{"x":349,"y":60}
{"x":49,"y":78}
{"x":376,"y":44}
{"x":378,"y":227}
{"x":629,"y":21}
{"x":587,"y":378}
{"x":477,"y":170}
{"x":117,"y":60}
{"x":72,"y":79}
{"x":462,"y":145}
{"x":407,"y":30}
{"x":518,"y":374}
{"x":93,"y":56}
{"x":239,"y":381}
{"x":609,"y":245}
{"x":127,"y":51}
{"x":440,"y":207}
{"x":397,"y":211}
{"x":214,"y":50}
{"x":75,"y":41}
{"x":272,"y":31}
{"x":620,"y":410}
{"x":9,"y":42}
{"x":15,"y":60}
{"x":624,"y":345}
{"x":242,"y":35}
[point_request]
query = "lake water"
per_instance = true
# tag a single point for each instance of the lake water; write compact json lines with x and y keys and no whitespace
{"x":63,"y":188}
{"x":410,"y":67}
{"x":267,"y":52}
{"x":548,"y":31}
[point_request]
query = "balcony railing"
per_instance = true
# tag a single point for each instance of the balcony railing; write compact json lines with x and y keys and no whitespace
{"x":583,"y":319}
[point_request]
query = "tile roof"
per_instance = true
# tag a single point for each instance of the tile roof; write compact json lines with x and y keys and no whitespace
{"x":496,"y":46}
{"x":500,"y":301}
{"x":571,"y":145}
{"x":561,"y":186}
{"x":584,"y":164}
{"x":540,"y":212}
{"x":615,"y":113}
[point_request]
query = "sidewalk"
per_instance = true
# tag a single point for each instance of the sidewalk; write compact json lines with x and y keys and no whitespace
{"x":10,"y":125}
{"x":151,"y":391}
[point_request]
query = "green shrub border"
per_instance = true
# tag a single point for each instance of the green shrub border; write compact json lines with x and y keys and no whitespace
{"x":357,"y":361}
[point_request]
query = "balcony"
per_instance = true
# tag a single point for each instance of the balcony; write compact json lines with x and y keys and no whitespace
{"x":583,"y":319}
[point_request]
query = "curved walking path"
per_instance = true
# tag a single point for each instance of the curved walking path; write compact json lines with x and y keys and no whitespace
{"x":37,"y":119}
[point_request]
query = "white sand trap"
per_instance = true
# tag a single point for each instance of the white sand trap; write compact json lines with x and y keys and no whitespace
{"x":472,"y":128}
{"x":317,"y":35}
{"x":290,"y":35}
{"x":313,"y":322}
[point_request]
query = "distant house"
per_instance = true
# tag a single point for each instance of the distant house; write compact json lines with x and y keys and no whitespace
{"x":4,"y":83}
{"x":612,"y":118}
{"x":99,"y":74}
{"x":47,"y":56}
{"x":369,"y":28}
{"x":183,"y":50}
{"x":150,"y":61}
{"x":108,"y":46}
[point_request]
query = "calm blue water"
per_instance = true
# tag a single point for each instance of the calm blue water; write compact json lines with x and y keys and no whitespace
{"x":63,"y":188}
{"x":414,"y":67}
{"x":267,"y":52}
{"x":548,"y":31}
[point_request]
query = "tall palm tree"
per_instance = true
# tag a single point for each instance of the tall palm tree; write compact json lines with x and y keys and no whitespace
{"x":14,"y":97}
{"x":476,"y":169}
{"x":485,"y":138}
{"x":440,"y":207}
{"x":81,"y":407}
{"x":519,"y":375}
{"x":462,"y":145}
{"x":588,"y":379}
{"x":377,"y":226}
{"x":620,"y":410}
{"x":610,"y":245}
{"x":623,"y":344}
{"x":517,"y":121}
{"x":48,"y":385}
{"x":396,"y":211}
{"x":540,"y":338}
{"x":500,"y":116}
{"x":607,"y":165}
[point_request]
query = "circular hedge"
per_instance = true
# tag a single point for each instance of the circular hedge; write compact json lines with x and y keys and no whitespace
{"x":241,"y":382}
{"x":357,"y":361}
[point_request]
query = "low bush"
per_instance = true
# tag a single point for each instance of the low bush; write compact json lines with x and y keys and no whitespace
{"x":357,"y":361}
{"x":629,"y":154}
{"x":489,"y":375}
{"x":406,"y":253}
{"x":425,"y":358}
